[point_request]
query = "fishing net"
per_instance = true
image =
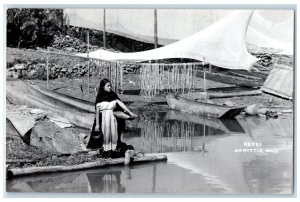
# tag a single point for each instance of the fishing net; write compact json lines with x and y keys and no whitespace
{"x":160,"y":78}
{"x":110,"y":70}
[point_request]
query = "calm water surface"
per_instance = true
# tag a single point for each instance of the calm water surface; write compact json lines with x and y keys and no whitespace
{"x":205,"y":156}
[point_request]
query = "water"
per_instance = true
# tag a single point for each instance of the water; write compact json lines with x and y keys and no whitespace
{"x":205,"y":156}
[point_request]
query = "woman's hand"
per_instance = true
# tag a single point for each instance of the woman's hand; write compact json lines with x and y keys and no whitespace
{"x":132,"y":114}
{"x":122,"y":105}
{"x":97,"y":128}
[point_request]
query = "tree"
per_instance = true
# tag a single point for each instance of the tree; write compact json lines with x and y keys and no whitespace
{"x":32,"y":27}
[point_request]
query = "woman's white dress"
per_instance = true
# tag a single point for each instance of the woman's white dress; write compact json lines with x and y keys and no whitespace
{"x":109,"y":124}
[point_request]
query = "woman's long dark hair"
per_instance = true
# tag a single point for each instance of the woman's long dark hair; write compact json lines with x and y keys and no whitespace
{"x":103,"y":82}
{"x":103,"y":95}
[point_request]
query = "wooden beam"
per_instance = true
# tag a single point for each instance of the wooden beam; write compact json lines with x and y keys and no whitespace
{"x":155,"y":28}
{"x":96,"y":164}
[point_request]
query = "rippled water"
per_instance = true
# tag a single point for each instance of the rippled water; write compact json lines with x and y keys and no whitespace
{"x":205,"y":156}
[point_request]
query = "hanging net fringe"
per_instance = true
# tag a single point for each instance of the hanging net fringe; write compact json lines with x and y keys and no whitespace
{"x":167,"y":78}
{"x":109,"y":70}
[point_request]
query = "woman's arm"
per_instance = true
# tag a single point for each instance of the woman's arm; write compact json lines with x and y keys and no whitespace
{"x":123,"y":106}
{"x":97,"y":127}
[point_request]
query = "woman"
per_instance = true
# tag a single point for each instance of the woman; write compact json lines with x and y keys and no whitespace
{"x":110,"y":118}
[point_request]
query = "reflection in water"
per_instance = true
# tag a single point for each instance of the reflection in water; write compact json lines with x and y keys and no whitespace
{"x":106,"y":182}
{"x":176,"y":132}
{"x":201,"y":159}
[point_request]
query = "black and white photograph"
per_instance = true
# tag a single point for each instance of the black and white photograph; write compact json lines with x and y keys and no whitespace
{"x":149,"y":100}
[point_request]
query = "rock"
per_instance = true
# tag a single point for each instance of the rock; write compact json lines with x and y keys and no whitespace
{"x":31,"y":74}
{"x":69,"y":49}
{"x":9,"y":73}
{"x":40,"y":71}
{"x":16,"y":75}
{"x":54,"y":157}
{"x":53,"y":68}
{"x":252,"y":109}
{"x":82,"y":136}
{"x":55,"y":139}
{"x":9,"y":64}
{"x":262,"y":111}
{"x":229,"y":103}
{"x":19,"y":66}
{"x":209,"y":101}
{"x":37,"y":111}
{"x":29,"y":67}
{"x":203,"y":96}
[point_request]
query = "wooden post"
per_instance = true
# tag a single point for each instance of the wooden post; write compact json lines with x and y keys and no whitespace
{"x":203,"y":144}
{"x":121,"y":78}
{"x":88,"y":64}
{"x":204,"y":76}
{"x":155,"y":28}
{"x":209,"y":68}
{"x":47,"y":66}
{"x":104,"y":29}
{"x":62,"y":20}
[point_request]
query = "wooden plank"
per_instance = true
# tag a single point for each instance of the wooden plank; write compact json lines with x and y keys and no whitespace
{"x":284,"y":87}
{"x":290,"y":84}
{"x":271,"y":79}
{"x":271,"y":91}
{"x":22,"y":123}
{"x":282,"y":76}
{"x":283,"y":67}
{"x":280,"y":81}
{"x":276,"y":80}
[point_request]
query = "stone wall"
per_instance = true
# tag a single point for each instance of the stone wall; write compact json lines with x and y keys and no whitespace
{"x":39,"y":70}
